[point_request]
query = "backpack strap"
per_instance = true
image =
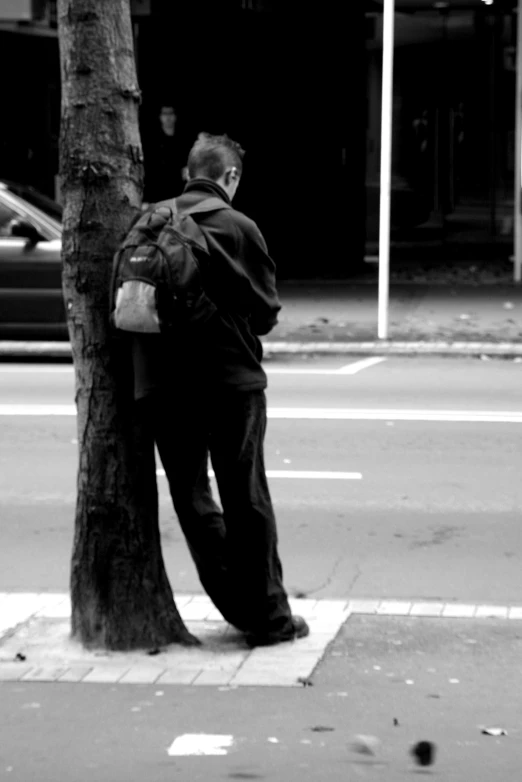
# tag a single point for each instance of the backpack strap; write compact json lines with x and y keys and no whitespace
{"x":212,"y":204}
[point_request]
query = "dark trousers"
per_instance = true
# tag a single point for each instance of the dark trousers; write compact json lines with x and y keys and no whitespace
{"x":234,"y":550}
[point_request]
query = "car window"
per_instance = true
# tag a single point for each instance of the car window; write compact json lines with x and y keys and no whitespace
{"x":6,"y":216}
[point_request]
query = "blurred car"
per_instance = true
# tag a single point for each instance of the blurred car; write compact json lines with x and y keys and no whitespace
{"x":31,"y":300}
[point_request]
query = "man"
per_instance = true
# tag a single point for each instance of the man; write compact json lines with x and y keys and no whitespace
{"x":205,"y":393}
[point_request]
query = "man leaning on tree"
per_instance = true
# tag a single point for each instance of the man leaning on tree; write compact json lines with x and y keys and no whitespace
{"x":205,"y":394}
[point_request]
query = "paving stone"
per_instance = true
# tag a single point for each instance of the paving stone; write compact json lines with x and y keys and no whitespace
{"x":45,"y":673}
{"x":13,"y":672}
{"x":106,"y":674}
{"x":142,"y":674}
{"x":263,"y":678}
{"x":363,"y":606}
{"x":214,"y":677}
{"x":182,"y":600}
{"x":394,"y":608}
{"x":195,"y":611}
{"x":303,"y":606}
{"x":175,"y":676}
{"x":493,"y":612}
{"x":427,"y":609}
{"x":58,"y":610}
{"x":76,"y":673}
{"x":459,"y":610}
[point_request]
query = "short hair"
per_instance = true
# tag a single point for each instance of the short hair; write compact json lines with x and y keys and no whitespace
{"x":212,"y":155}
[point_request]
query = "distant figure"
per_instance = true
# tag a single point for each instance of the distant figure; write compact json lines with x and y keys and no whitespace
{"x":165,"y":158}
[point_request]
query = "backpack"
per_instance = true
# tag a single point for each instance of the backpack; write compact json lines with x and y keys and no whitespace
{"x":156,"y":280}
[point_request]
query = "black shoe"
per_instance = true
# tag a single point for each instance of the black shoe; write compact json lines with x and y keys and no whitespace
{"x":299,"y":629}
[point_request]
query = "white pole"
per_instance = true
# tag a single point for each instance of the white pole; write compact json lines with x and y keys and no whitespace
{"x":386,"y":150}
{"x":517,"y":222}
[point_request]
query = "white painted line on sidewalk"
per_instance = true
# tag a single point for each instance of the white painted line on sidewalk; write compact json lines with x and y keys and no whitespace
{"x":319,"y":413}
{"x":300,"y":475}
{"x":357,"y":366}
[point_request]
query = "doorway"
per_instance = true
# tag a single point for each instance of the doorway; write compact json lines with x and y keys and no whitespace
{"x":453,"y":145}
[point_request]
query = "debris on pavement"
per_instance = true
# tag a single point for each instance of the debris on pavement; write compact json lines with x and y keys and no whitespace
{"x":424,"y":753}
{"x":494,"y":732}
{"x":152,"y":652}
{"x":19,"y":657}
{"x":364,"y":745}
{"x":395,"y":721}
{"x":321,"y":728}
{"x":305,"y":681}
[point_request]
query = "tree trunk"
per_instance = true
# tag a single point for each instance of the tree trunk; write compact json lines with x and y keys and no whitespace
{"x":120,"y":593}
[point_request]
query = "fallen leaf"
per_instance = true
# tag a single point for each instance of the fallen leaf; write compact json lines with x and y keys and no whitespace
{"x":321,"y":728}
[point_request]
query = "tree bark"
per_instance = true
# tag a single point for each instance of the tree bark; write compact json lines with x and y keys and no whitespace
{"x":120,"y":593}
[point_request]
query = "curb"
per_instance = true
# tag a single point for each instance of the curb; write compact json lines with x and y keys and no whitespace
{"x":395,"y":348}
{"x":14,"y":349}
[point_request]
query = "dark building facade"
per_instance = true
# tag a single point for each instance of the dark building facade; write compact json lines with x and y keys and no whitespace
{"x":298,"y":85}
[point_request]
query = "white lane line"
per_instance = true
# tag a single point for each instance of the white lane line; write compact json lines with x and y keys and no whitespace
{"x":43,"y":410}
{"x":28,"y":369}
{"x":356,"y":414}
{"x":314,"y":475}
{"x":319,"y":413}
{"x":348,"y":369}
{"x":357,"y":366}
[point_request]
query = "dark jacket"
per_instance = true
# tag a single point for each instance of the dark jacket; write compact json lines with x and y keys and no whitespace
{"x":239,"y":277}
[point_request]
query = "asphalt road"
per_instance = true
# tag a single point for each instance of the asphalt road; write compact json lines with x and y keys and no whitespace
{"x":405,"y":479}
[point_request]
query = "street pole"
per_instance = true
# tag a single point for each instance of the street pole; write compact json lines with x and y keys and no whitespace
{"x":517,"y":222}
{"x":386,"y":151}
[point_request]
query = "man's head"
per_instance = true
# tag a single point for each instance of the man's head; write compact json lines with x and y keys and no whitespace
{"x":167,"y":118}
{"x":219,"y":159}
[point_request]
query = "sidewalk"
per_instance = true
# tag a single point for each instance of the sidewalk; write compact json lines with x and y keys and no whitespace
{"x":423,"y":317}
{"x":436,"y":316}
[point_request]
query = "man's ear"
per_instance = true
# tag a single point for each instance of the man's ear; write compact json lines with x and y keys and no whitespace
{"x":231,"y":176}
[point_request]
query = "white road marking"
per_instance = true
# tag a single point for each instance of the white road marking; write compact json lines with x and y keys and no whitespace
{"x":29,"y":369}
{"x":43,"y":410}
{"x":200,"y":744}
{"x":319,"y":413}
{"x":356,"y":414}
{"x":357,"y":366}
{"x":300,"y":474}
{"x":348,"y":369}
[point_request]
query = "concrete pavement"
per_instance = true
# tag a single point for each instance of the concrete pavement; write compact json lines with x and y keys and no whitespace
{"x":396,"y":680}
{"x":435,"y":516}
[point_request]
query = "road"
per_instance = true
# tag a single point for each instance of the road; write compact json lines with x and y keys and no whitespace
{"x":369,"y":503}
{"x":405,"y":484}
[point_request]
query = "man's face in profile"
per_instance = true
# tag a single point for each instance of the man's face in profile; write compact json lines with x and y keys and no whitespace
{"x":168,"y":119}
